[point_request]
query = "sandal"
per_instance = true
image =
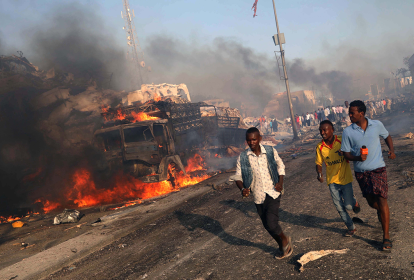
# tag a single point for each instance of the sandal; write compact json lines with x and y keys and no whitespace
{"x":287,"y":250}
{"x":386,"y":245}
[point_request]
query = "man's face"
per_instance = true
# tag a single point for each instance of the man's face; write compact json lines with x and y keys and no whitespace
{"x":326,"y":131}
{"x":346,"y":104}
{"x":253,"y":140}
{"x":354,"y":115}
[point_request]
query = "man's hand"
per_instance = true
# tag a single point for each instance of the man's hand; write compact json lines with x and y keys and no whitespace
{"x":279,"y":187}
{"x":320,"y":179}
{"x":245,"y":192}
{"x":364,"y":157}
{"x":391,"y":155}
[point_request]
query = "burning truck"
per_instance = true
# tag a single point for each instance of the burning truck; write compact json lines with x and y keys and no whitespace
{"x":152,"y":141}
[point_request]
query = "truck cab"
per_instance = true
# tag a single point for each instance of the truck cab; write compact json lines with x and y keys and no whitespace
{"x":143,"y":149}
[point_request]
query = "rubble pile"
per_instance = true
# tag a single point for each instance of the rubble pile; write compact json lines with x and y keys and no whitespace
{"x":156,"y":92}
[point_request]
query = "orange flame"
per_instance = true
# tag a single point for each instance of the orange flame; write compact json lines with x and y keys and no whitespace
{"x":157,"y":97}
{"x":104,"y":108}
{"x":120,"y":114}
{"x":84,"y":192}
{"x":47,"y":205}
{"x":195,"y":163}
{"x":10,"y":219}
{"x":141,"y":116}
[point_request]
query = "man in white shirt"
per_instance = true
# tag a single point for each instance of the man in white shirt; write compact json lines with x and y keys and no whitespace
{"x":327,"y":112}
{"x":261,"y":171}
{"x":307,"y":119}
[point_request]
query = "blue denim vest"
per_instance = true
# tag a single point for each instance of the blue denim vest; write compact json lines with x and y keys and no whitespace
{"x":247,"y":172}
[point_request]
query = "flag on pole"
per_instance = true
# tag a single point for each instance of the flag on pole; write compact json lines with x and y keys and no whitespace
{"x":255,"y":7}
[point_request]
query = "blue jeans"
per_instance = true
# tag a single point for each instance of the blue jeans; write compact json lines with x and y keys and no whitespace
{"x":343,"y":199}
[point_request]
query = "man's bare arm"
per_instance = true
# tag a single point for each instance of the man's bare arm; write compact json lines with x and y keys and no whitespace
{"x":390,"y":145}
{"x":239,"y":184}
{"x":319,"y":171}
{"x":279,"y":185}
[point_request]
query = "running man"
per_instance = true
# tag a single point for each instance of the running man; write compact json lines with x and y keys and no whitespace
{"x":370,"y":170}
{"x":261,"y":171}
{"x":338,"y":174}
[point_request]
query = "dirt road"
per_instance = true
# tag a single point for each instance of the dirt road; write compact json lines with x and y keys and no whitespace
{"x":218,"y":235}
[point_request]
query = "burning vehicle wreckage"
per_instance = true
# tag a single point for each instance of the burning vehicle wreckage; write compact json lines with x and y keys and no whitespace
{"x":157,"y":146}
{"x":151,"y":141}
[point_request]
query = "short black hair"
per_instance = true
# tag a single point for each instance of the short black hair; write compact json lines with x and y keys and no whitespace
{"x":252,"y":130}
{"x":360,"y":105}
{"x":327,"y":122}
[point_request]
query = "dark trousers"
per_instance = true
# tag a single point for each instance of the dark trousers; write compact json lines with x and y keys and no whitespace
{"x":269,"y":213}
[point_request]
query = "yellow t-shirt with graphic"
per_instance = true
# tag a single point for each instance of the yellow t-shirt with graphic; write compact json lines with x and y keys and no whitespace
{"x":338,"y":169}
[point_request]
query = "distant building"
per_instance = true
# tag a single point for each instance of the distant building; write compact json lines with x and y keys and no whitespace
{"x":302,"y":101}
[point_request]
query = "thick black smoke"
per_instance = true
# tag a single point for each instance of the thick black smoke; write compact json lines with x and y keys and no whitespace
{"x":225,"y":69}
{"x":77,"y":40}
{"x":338,"y":83}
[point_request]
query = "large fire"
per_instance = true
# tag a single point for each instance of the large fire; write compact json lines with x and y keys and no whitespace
{"x":83,"y":191}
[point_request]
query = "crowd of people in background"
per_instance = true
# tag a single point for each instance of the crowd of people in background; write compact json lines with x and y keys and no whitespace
{"x":338,"y":113}
{"x":265,"y":124}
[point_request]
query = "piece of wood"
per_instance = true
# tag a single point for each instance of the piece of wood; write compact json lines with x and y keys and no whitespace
{"x":75,"y":226}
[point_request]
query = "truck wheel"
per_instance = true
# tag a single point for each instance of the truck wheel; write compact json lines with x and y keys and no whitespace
{"x":172,"y":174}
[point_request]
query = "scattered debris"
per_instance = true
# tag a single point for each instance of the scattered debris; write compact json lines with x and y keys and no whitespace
{"x":408,"y":175}
{"x":303,"y":239}
{"x":217,"y":187}
{"x":77,"y":226}
{"x":314,"y":255}
{"x":26,"y":245}
{"x":18,"y":224}
{"x":67,"y":216}
{"x":409,"y":135}
{"x":96,"y":221}
{"x":74,"y":250}
{"x":122,"y":245}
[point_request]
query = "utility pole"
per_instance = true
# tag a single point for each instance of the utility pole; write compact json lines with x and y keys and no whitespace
{"x":135,"y":54}
{"x":280,"y":41}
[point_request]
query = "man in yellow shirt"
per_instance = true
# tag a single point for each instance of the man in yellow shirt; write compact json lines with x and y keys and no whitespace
{"x":338,"y":174}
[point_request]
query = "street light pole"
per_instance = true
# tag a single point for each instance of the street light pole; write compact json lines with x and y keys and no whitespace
{"x":282,"y":54}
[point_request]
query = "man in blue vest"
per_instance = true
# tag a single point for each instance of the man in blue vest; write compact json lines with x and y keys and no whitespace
{"x":260,"y":170}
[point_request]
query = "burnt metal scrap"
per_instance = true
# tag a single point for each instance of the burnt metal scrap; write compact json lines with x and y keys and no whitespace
{"x":67,"y":216}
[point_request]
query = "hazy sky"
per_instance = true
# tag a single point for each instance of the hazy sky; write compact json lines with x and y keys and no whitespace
{"x":312,"y":28}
